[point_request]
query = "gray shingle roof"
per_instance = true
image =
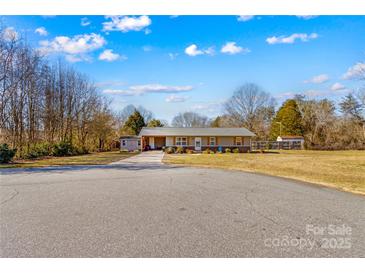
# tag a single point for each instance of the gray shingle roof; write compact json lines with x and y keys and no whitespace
{"x":190,"y":131}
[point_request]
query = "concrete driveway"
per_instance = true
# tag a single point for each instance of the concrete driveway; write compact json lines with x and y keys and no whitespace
{"x":142,"y":208}
{"x":148,"y":157}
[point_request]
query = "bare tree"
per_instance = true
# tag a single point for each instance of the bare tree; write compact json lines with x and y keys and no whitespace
{"x":190,"y":119}
{"x":42,"y":104}
{"x":250,"y":106}
{"x":130,"y":109}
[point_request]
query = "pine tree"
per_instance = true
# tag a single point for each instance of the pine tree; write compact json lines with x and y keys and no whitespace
{"x":134,"y":123}
{"x":351,"y":107}
{"x":155,"y":123}
{"x":289,"y":119}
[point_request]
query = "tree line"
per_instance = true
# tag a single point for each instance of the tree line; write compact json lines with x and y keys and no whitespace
{"x":322,"y":124}
{"x":48,"y":107}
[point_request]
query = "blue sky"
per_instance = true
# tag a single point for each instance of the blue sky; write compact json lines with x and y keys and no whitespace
{"x":194,"y":63}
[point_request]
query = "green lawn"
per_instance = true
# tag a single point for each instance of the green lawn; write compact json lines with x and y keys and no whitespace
{"x":99,"y":158}
{"x":340,"y":169}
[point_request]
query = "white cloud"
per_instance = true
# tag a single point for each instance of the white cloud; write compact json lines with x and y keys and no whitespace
{"x":10,"y":34}
{"x":307,"y":17}
{"x":124,"y":92}
{"x":85,"y":21}
{"x":245,"y":18}
{"x":288,"y":94}
{"x":147,"y":48}
{"x":149,"y":88}
{"x":232,"y":48}
{"x":313,"y":93}
{"x":355,"y":71}
{"x":77,"y":44}
{"x":77,"y":58}
{"x":319,"y":93}
{"x":126,"y":23}
{"x":110,"y":84}
{"x":337,"y":86}
{"x":108,"y":55}
{"x":208,"y":107}
{"x":41,"y":31}
{"x":176,"y":98}
{"x":193,"y":50}
{"x":173,"y":55}
{"x":291,"y":39}
{"x":319,"y":79}
{"x":75,"y":48}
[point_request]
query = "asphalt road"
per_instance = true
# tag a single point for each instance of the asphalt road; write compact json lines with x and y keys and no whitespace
{"x":137,"y":209}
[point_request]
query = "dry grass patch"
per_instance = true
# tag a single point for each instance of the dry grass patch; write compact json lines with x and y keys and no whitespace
{"x":341,"y":169}
{"x":99,"y":158}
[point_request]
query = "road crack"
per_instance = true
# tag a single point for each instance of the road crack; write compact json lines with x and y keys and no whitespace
{"x":258,"y":212}
{"x":14,"y":194}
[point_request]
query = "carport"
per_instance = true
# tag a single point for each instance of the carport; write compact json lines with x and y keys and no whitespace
{"x":154,"y":142}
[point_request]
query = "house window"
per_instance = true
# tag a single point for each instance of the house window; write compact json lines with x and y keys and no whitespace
{"x":139,"y":142}
{"x":181,"y":141}
{"x":124,"y":142}
{"x":238,"y":141}
{"x":212,"y":141}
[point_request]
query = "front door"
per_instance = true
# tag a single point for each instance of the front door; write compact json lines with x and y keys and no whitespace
{"x":198,"y":143}
{"x":151,"y":142}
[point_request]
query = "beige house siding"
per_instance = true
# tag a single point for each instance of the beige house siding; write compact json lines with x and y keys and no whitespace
{"x":191,"y":141}
{"x":220,"y":140}
{"x":226,"y":141}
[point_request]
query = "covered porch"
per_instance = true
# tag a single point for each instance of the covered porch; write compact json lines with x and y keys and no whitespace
{"x":153,"y":142}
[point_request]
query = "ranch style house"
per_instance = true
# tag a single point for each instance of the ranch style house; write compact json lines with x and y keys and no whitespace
{"x":197,"y":139}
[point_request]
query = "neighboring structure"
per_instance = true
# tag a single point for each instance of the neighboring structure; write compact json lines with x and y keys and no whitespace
{"x":292,"y":139}
{"x":130,"y":143}
{"x":196,"y":138}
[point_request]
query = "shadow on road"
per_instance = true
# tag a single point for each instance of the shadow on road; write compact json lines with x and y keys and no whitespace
{"x":123,"y":166}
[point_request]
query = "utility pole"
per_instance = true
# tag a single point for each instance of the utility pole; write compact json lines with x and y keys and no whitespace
{"x":280,"y":123}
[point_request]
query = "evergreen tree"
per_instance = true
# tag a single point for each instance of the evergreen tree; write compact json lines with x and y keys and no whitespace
{"x":134,"y":123}
{"x":155,"y":123}
{"x":351,"y":107}
{"x":289,"y":119}
{"x":216,"y":122}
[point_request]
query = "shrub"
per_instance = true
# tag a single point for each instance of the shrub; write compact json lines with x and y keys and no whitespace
{"x":207,"y":151}
{"x":63,"y":149}
{"x":6,"y":154}
{"x":163,"y":148}
{"x":179,"y":150}
{"x":170,"y":150}
{"x":227,"y":150}
{"x":189,"y":151}
{"x":39,"y":150}
{"x":236,"y":150}
{"x":219,"y":152}
{"x":81,"y":150}
{"x":212,"y":152}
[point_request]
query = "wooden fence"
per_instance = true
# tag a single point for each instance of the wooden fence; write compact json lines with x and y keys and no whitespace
{"x":267,"y":145}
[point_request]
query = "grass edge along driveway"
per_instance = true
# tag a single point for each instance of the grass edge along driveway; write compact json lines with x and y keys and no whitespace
{"x":344,"y":170}
{"x":97,"y":158}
